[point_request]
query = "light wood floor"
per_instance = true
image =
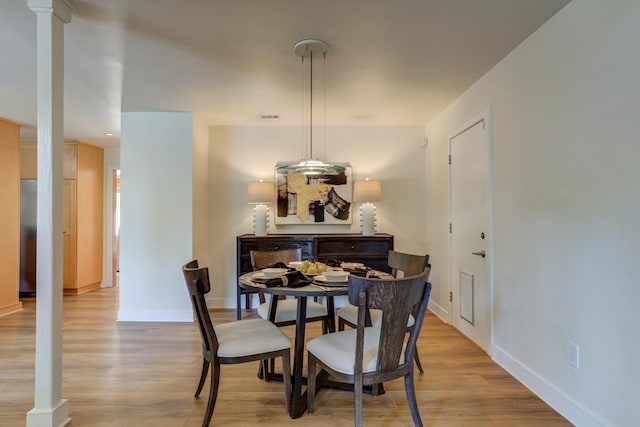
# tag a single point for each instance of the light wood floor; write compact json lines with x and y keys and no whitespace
{"x":145,"y":374}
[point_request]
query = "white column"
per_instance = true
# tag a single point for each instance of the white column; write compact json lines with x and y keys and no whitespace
{"x":49,"y":408}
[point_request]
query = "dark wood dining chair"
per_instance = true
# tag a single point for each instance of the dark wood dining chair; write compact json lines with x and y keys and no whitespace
{"x":401,"y":264}
{"x":286,"y":309}
{"x":264,"y":259}
{"x":372,"y":355}
{"x":234,"y":342}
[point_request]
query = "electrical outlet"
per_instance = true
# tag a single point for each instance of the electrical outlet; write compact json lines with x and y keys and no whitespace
{"x":573,"y":354}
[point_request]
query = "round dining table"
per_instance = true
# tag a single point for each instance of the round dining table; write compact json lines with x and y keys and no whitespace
{"x":298,"y":403}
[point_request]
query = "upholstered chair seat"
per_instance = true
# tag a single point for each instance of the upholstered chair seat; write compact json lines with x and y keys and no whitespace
{"x":287,"y":310}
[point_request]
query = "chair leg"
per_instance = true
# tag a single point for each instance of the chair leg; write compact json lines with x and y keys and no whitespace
{"x":340,"y":324}
{"x":266,"y":368}
{"x":213,"y":394}
{"x":325,"y":327}
{"x":375,"y":389}
{"x":203,"y":376}
{"x":311,"y":382}
{"x":411,"y":399}
{"x":272,"y":366}
{"x":263,"y":370}
{"x":286,"y":376}
{"x":416,"y":358}
{"x":357,"y":388}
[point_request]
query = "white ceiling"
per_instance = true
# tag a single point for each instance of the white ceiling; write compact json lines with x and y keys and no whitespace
{"x":390,"y":62}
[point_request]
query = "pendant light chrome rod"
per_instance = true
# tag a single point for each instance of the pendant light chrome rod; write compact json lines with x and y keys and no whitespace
{"x":306,"y":48}
{"x":303,"y":133}
{"x":311,"y":104}
{"x":324,"y":105}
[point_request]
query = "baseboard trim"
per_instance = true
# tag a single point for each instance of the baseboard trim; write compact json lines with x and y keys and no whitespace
{"x":13,"y":308}
{"x":82,"y":289}
{"x":439,"y":311}
{"x":226,"y":302}
{"x":550,"y":394}
{"x":154,"y":316}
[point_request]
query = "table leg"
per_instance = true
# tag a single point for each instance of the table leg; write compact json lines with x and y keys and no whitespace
{"x":331,"y":311}
{"x":298,"y":399}
{"x":273,"y":306}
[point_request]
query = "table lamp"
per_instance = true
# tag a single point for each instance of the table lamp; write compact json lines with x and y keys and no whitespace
{"x":367,"y":191}
{"x":260,"y":193}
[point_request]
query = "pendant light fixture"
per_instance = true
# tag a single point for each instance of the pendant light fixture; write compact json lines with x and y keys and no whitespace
{"x":310,"y":50}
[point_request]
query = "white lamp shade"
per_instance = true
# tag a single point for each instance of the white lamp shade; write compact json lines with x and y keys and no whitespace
{"x":367,"y":191}
{"x":261,"y":192}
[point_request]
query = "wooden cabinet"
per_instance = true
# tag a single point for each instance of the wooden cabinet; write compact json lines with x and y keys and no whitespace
{"x":82,"y":212}
{"x":84,"y":217}
{"x":9,"y":217}
{"x":373,"y":251}
{"x":370,"y":250}
{"x":29,"y":161}
{"x":69,"y":234}
{"x":249,"y":242}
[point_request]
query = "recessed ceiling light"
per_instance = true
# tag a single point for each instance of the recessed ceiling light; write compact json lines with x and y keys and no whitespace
{"x":108,"y":134}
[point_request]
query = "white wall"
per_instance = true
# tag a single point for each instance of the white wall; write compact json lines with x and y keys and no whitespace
{"x":238,"y":155}
{"x":201,"y":215}
{"x":156,"y":212}
{"x":566,"y":105}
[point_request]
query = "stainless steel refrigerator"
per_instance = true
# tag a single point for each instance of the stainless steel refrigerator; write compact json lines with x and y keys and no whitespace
{"x":28,"y":233}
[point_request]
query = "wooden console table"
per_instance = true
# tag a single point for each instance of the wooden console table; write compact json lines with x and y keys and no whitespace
{"x":373,"y":251}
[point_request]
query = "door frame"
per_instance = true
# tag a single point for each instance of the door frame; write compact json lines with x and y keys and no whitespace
{"x":109,"y":275}
{"x":115,"y":214}
{"x":484,"y":117}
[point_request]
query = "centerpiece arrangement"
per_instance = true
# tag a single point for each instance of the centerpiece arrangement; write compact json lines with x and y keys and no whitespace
{"x":309,"y":267}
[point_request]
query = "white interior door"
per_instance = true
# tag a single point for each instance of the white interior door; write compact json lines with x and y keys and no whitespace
{"x":471,"y":293}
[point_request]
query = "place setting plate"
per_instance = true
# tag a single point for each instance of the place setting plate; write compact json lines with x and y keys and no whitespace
{"x":351,"y":265}
{"x":324,"y":280}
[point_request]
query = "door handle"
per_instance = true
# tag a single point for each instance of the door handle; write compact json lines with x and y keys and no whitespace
{"x":482,"y":253}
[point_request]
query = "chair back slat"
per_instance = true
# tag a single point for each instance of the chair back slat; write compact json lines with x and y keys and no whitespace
{"x":263,"y":259}
{"x":403,"y":264}
{"x":396,"y":298}
{"x":419,"y":312}
{"x":408,"y":264}
{"x":198,"y":284}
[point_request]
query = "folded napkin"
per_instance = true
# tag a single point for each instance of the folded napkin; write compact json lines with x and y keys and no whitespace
{"x":365,"y":272}
{"x":292,"y":279}
{"x":280,"y":265}
{"x":333,"y":263}
{"x":359,"y":271}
